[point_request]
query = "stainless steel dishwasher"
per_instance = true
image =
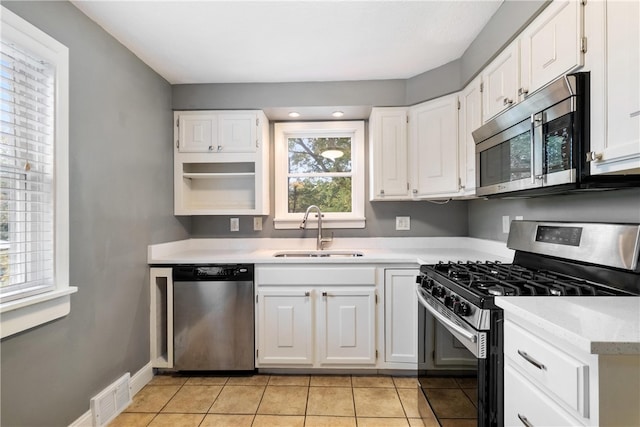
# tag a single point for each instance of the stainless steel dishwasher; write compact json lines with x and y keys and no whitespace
{"x":213,"y":317}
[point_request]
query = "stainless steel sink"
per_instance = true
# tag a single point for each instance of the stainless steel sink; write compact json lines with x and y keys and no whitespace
{"x":317,"y":254}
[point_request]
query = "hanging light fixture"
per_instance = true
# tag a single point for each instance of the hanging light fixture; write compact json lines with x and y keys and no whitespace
{"x":332,"y":152}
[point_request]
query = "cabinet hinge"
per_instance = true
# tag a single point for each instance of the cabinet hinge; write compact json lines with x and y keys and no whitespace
{"x":376,"y":354}
{"x":407,"y":186}
{"x":256,"y":299}
{"x":584,"y":2}
{"x":481,"y":87}
{"x":407,"y":119}
{"x":178,"y":123}
{"x":257,"y":122}
{"x":257,"y":353}
{"x":177,"y":143}
{"x":583,"y":45}
{"x":458,"y":104}
{"x":376,"y":298}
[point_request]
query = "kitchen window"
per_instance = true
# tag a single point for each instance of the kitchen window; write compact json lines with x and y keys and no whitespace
{"x":34,"y":211}
{"x":320,"y":163}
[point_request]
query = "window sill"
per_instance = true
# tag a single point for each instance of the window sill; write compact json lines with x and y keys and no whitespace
{"x":291,"y":224}
{"x":26,"y":313}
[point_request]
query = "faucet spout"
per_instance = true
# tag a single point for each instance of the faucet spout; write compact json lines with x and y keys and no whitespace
{"x":320,"y":241}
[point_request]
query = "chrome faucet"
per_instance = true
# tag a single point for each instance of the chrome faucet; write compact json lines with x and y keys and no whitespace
{"x":320,"y":241}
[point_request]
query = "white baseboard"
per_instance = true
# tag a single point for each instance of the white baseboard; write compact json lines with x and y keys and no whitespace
{"x":137,"y":383}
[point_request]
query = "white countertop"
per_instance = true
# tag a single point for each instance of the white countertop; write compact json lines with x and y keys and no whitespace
{"x":402,"y":250}
{"x":596,"y":325}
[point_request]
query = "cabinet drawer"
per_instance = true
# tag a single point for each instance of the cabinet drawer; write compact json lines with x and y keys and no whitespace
{"x":549,"y":367}
{"x":525,"y":403}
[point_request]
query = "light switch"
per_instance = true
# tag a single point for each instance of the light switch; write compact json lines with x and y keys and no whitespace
{"x":234,"y":224}
{"x":403,"y":223}
{"x":257,"y":223}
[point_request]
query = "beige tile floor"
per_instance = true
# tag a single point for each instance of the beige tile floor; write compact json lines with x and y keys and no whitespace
{"x":276,"y":400}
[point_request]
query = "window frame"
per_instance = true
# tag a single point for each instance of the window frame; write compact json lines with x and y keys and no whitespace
{"x":32,"y":310}
{"x":282,"y":131}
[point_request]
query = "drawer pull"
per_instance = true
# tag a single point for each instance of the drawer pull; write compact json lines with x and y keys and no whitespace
{"x":531,"y":360}
{"x":525,"y":421}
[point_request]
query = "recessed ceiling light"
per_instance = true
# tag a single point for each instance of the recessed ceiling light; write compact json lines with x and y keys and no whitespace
{"x":337,"y":114}
{"x":294,"y":114}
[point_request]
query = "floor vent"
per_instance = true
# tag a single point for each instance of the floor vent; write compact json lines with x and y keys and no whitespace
{"x":106,"y":405}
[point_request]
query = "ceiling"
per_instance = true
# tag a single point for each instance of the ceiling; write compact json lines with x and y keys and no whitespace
{"x":292,"y":41}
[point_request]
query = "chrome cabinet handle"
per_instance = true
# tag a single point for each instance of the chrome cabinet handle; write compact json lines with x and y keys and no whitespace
{"x":507,"y":101}
{"x":219,"y":147}
{"x":211,"y":148}
{"x":525,"y":421}
{"x":531,"y":360}
{"x":306,"y":294}
{"x":523,"y":91}
{"x":324,"y":294}
{"x":592,"y":156}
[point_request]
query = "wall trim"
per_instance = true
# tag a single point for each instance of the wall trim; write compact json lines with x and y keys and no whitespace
{"x":138,"y":381}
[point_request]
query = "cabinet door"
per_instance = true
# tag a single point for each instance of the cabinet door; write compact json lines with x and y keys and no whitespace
{"x":470,"y":119}
{"x":285,"y":327}
{"x":551,"y":44}
{"x":501,"y":80}
{"x":525,"y":403}
{"x":388,"y":134}
{"x":197,"y":133}
{"x":346,"y":326}
{"x":400,"y":316}
{"x":433,"y":130}
{"x":238,"y":132}
{"x":619,"y":150}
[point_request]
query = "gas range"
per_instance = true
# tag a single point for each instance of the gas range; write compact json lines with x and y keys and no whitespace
{"x":552,"y":259}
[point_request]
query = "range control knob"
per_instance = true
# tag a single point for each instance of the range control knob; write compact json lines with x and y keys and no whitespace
{"x":437,"y":291}
{"x":462,"y":309}
{"x":448,"y":301}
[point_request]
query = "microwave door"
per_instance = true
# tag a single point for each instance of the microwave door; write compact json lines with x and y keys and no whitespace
{"x":504,"y":162}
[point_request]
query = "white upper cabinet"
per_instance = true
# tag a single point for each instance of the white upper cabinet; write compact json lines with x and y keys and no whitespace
{"x":221,"y":163}
{"x":613,"y":58}
{"x":238,"y":132}
{"x":218,"y":131}
{"x":197,"y":133}
{"x":433,"y":148}
{"x":551,"y":45}
{"x":469,"y":119}
{"x":388,"y":139}
{"x":501,"y":80}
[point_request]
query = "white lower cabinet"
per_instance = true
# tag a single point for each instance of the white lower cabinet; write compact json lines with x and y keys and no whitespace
{"x":527,"y":405}
{"x":401,"y":316}
{"x":549,"y":382}
{"x":285,"y":321}
{"x":316,"y":317}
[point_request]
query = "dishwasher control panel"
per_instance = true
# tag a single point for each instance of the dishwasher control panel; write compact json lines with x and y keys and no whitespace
{"x":213,"y":272}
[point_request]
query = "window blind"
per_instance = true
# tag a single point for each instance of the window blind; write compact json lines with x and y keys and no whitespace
{"x":27,"y":105}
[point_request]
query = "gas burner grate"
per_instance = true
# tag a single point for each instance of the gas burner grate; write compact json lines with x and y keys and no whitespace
{"x":493,"y":278}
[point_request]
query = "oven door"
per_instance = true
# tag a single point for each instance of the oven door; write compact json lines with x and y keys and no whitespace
{"x":475,"y":341}
{"x":506,"y":161}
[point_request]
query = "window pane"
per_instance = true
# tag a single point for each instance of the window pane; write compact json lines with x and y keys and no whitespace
{"x":305,"y":155}
{"x":331,"y":194}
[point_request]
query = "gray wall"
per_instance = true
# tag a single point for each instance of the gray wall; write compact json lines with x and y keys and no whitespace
{"x":120,"y":201}
{"x":427,"y":219}
{"x":485,"y":216}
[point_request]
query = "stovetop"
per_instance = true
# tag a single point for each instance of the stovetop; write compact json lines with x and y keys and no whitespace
{"x":497,"y":279}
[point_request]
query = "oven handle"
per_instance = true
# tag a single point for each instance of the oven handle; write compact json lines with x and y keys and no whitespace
{"x":443,"y":319}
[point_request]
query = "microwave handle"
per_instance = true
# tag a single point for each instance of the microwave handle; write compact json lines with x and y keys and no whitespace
{"x":537,"y":146}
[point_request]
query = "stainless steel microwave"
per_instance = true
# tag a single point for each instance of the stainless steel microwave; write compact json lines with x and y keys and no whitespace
{"x":540,"y":145}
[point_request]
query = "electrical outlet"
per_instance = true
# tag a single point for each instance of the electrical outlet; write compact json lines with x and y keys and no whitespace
{"x":257,"y":223}
{"x":506,"y":223}
{"x":234,"y":224}
{"x":519,"y":218}
{"x":403,"y":223}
